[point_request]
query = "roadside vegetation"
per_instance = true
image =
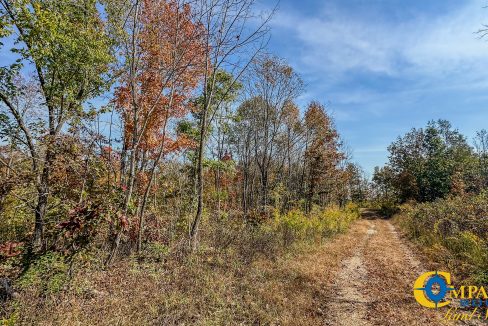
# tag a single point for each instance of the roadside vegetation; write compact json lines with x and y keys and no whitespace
{"x":154,"y":164}
{"x":454,"y":233}
{"x":437,"y":183}
{"x":240,"y":273}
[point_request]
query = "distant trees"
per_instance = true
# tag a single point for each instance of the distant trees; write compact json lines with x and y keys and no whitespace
{"x":358,"y":183}
{"x":430,"y":163}
{"x":273,"y":86}
{"x":481,"y":147}
{"x":383,"y":181}
{"x":288,"y":160}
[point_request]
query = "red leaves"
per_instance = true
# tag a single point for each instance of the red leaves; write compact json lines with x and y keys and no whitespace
{"x":171,"y":65}
{"x":227,"y":157}
{"x":79,"y":218}
{"x":11,"y":249}
{"x":123,"y":222}
{"x":182,"y":142}
{"x":70,"y":225}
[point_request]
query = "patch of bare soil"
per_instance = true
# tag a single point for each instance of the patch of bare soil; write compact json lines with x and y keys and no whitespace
{"x":374,"y":284}
{"x":349,"y":306}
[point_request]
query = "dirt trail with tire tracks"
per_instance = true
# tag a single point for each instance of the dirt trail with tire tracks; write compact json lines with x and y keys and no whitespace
{"x":373,"y":284}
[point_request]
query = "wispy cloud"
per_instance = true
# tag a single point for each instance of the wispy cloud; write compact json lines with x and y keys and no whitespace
{"x":337,"y":42}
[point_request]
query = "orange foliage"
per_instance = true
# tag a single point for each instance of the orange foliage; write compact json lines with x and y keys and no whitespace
{"x":323,"y":153}
{"x":171,"y":51}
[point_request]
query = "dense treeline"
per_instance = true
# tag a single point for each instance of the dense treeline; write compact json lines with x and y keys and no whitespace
{"x":433,"y":162}
{"x":440,"y":182}
{"x":198,"y":124}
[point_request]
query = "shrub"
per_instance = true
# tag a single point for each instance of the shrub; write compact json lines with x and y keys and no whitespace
{"x":48,"y":274}
{"x":296,"y":225}
{"x":455,"y":231}
{"x":388,"y":209}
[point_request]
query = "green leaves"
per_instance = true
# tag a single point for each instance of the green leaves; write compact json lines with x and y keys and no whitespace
{"x":66,"y":43}
{"x":5,"y":27}
{"x":226,"y":87}
{"x":8,"y":85}
{"x":425,"y":164}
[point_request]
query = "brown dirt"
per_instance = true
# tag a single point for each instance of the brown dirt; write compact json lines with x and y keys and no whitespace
{"x":374,"y":285}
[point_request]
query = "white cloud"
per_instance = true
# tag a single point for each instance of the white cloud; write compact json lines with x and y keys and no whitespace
{"x":337,"y":42}
{"x":383,"y":75}
{"x":450,"y":43}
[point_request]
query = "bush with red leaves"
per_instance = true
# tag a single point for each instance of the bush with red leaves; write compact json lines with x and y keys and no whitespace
{"x":10,"y":249}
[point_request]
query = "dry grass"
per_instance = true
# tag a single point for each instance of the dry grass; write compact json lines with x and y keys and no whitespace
{"x":206,"y":290}
{"x":453,"y":233}
{"x":252,"y":280}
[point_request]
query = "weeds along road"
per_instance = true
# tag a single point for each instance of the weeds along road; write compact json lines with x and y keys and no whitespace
{"x":364,"y":276}
{"x":373,"y":284}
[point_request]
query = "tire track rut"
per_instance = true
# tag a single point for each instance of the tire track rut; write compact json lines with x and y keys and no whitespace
{"x":374,"y":284}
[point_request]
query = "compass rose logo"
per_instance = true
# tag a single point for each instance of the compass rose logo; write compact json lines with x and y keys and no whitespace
{"x":431,"y":288}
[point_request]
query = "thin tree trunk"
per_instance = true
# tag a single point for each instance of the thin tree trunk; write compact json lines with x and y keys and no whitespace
{"x":148,"y":187}
{"x":42,"y":200}
{"x":134,"y":140}
{"x":198,"y":216}
{"x":118,"y":236}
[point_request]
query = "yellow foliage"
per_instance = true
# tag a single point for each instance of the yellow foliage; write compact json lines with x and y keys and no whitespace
{"x":320,"y":223}
{"x":452,"y":231}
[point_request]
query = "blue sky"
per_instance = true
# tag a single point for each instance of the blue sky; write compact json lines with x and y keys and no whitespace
{"x":383,"y":67}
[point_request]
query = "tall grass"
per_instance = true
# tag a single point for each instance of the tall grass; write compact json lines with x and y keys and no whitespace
{"x":454,"y":232}
{"x":238,"y":275}
{"x":319,"y":224}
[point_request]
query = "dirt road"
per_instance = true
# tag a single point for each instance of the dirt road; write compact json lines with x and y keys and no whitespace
{"x":362,"y":277}
{"x":373,"y":282}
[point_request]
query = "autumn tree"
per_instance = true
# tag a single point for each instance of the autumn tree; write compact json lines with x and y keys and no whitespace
{"x":322,"y":154}
{"x":163,"y":66}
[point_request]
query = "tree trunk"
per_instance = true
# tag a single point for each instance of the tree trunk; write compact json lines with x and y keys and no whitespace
{"x":118,"y":237}
{"x":198,"y":215}
{"x":42,"y":199}
{"x":310,"y":196}
{"x":146,"y":191}
{"x":264,"y":188}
